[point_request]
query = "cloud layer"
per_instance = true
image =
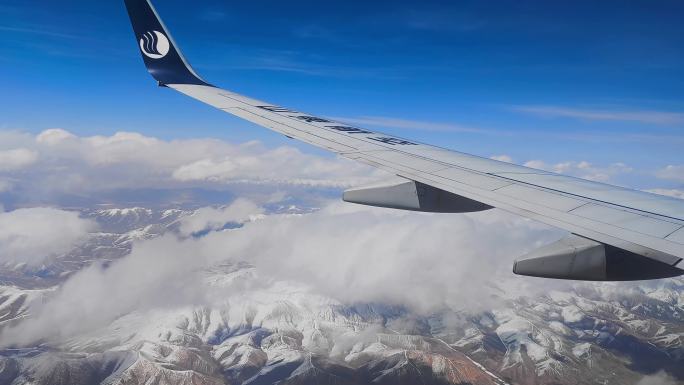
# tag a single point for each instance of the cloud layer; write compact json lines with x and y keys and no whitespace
{"x":672,"y":172}
{"x":211,"y":218}
{"x":660,"y":378}
{"x":40,"y":169}
{"x":425,"y":262}
{"x":16,"y":159}
{"x":31,"y":235}
{"x":354,"y":254}
{"x":57,"y":162}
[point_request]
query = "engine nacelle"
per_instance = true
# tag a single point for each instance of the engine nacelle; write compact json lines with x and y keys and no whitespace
{"x":406,"y":194}
{"x":579,"y":258}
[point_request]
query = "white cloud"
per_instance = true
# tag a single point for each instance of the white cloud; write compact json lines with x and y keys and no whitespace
{"x":33,"y":234}
{"x":16,"y":159}
{"x":649,"y":117}
{"x":205,"y":169}
{"x":538,"y":164}
{"x":210,"y":218}
{"x":158,"y":273}
{"x":668,"y":192}
{"x":57,"y":162}
{"x":503,"y":158}
{"x":285,"y":165}
{"x":583,"y":169}
{"x":672,"y":172}
{"x":351,"y":253}
{"x":660,"y":378}
{"x":55,"y":136}
{"x":10,"y":139}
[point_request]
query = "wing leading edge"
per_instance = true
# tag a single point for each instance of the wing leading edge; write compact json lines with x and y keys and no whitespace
{"x":617,"y":233}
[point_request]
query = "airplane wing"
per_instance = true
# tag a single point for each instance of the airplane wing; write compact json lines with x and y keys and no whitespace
{"x":616,"y":233}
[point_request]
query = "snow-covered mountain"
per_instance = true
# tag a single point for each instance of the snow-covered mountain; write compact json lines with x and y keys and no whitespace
{"x":283,"y":332}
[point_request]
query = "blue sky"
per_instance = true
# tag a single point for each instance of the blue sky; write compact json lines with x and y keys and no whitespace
{"x":557,"y":81}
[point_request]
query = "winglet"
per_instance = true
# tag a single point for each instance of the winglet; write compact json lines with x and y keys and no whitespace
{"x":161,"y":55}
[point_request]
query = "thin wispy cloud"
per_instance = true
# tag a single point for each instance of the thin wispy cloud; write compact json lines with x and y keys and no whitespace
{"x":292,"y":61}
{"x":212,"y":15}
{"x":436,"y":20}
{"x":39,"y":31}
{"x":641,"y":116}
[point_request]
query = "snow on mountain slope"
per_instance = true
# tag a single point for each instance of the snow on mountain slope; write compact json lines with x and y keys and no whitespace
{"x":281,"y":331}
{"x":265,"y":331}
{"x":15,"y":303}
